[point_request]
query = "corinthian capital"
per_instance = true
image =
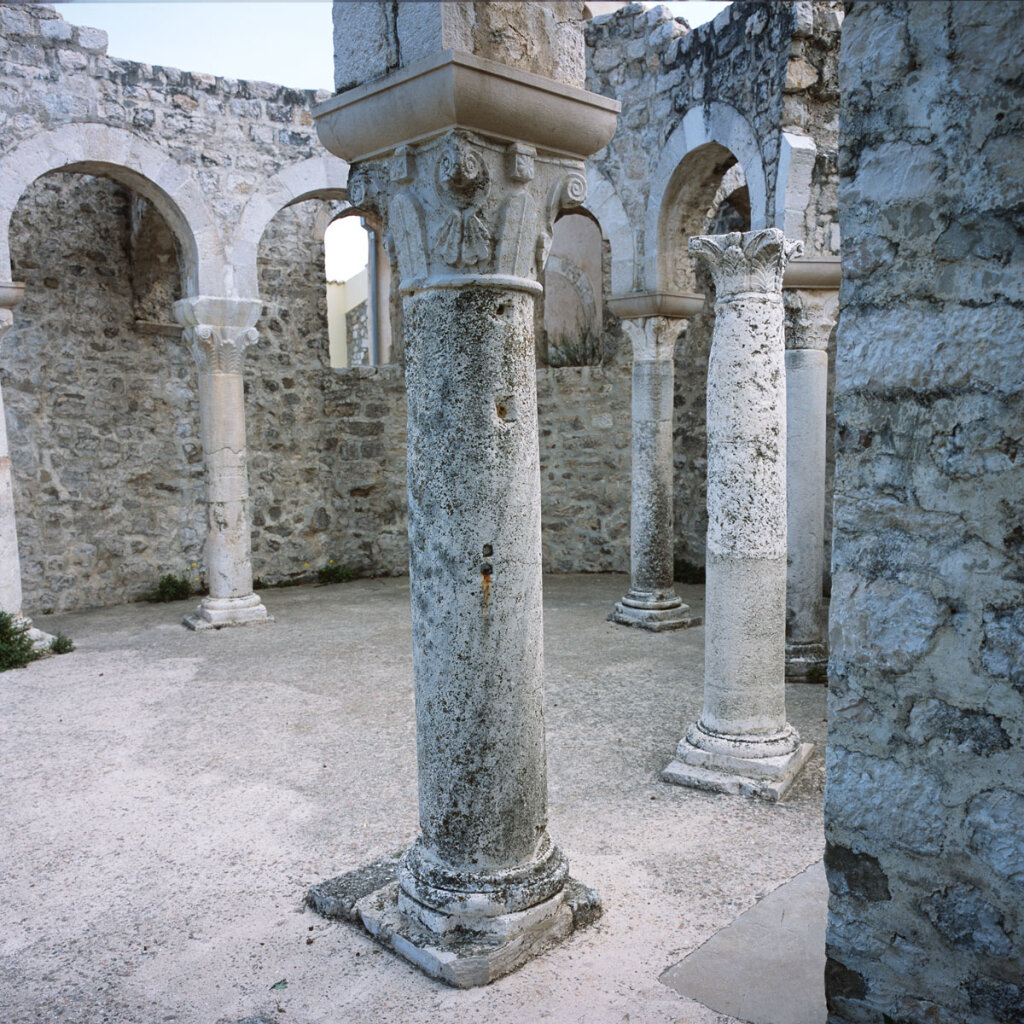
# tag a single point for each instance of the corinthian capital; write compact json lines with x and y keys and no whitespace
{"x":218,"y":330}
{"x":460,"y":209}
{"x":746,"y":264}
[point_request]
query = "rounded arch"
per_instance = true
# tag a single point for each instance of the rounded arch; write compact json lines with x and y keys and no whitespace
{"x":319,"y":177}
{"x":114,"y":153}
{"x":604,"y":204}
{"x":707,"y":134}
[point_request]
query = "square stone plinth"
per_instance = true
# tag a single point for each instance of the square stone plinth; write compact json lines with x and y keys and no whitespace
{"x":368,"y":897}
{"x":654,"y":619}
{"x":766,"y":777}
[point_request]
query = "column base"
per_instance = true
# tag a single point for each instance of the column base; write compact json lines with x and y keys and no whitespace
{"x":370,"y":897}
{"x":217,"y":612}
{"x":656,"y":615}
{"x":767,"y":777}
{"x":40,"y":641}
{"x":805,"y":662}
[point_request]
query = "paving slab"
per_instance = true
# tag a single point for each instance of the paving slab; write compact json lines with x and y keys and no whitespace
{"x":768,"y":966}
{"x":167,"y":799}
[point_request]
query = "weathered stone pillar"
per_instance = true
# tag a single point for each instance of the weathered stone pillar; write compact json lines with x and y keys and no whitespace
{"x":469,"y":221}
{"x":652,"y":602}
{"x":219,"y":330}
{"x":806,"y":407}
{"x":10,"y":563}
{"x":742,"y":742}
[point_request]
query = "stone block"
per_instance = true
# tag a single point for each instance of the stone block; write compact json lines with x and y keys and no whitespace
{"x":767,"y":777}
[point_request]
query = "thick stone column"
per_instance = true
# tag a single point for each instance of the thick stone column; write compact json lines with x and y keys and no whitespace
{"x":652,"y":602}
{"x":742,"y":742}
{"x":469,"y":221}
{"x":219,"y":330}
{"x":806,"y":407}
{"x":10,"y":563}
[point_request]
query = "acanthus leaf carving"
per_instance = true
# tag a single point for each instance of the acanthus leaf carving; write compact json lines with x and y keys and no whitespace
{"x":220,"y":349}
{"x":459,"y":207}
{"x":750,"y":263}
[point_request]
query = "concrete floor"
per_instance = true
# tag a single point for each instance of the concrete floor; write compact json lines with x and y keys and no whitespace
{"x":168,"y":797}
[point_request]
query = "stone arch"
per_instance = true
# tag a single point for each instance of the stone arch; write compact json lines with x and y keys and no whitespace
{"x":705,"y":136}
{"x":319,"y":177}
{"x":114,"y":153}
{"x":604,"y":203}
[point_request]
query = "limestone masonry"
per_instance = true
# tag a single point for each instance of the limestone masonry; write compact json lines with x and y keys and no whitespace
{"x":823,"y":412}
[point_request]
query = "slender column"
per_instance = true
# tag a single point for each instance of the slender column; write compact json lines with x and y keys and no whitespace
{"x":652,"y":602}
{"x":10,"y":563}
{"x":219,"y":330}
{"x":469,"y":222}
{"x":742,"y":741}
{"x":806,"y":402}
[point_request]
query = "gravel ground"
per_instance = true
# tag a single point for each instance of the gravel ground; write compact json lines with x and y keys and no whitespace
{"x":168,"y":797}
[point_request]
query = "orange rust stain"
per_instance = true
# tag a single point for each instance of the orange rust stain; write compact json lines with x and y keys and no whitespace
{"x":485,"y":587}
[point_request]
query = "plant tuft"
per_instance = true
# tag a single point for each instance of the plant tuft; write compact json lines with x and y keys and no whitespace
{"x":15,"y":644}
{"x":62,"y":644}
{"x":170,"y":588}
{"x":334,"y":574}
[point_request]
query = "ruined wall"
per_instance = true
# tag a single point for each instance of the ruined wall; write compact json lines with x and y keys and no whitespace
{"x":925,"y":793}
{"x":776,"y":64}
{"x":101,"y":409}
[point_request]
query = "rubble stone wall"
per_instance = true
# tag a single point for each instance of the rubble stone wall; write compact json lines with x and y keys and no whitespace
{"x":924,"y":803}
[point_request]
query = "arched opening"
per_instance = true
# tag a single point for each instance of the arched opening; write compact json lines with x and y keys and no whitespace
{"x":573,"y":307}
{"x":106,"y":457}
{"x":358,"y":291}
{"x":707,"y":194}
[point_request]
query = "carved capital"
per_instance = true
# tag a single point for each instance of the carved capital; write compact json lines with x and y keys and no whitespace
{"x":653,"y":337}
{"x":748,"y":264}
{"x":462,"y":210}
{"x":219,"y":349}
{"x":11,"y":293}
{"x":218,"y":330}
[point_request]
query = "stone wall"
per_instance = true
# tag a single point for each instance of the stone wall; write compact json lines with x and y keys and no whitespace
{"x":101,"y":401}
{"x":925,"y":793}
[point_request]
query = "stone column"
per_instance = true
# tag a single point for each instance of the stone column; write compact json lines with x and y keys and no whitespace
{"x":652,"y":602}
{"x":10,"y":563}
{"x":742,"y":742}
{"x":218,"y":330}
{"x":469,"y":221}
{"x":806,"y":407}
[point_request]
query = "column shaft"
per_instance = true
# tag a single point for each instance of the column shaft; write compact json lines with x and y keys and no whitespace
{"x":10,"y":562}
{"x":475,"y":574}
{"x":652,"y":602}
{"x":806,"y":398}
{"x":219,"y":330}
{"x":742,"y":741}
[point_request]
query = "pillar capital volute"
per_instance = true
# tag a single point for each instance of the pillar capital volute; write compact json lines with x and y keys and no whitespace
{"x":746,"y":265}
{"x":218,"y":330}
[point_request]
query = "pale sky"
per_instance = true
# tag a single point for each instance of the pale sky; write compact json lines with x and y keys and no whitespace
{"x":287,"y":43}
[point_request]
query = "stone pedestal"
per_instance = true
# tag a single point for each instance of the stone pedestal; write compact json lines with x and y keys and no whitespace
{"x":483,"y":887}
{"x":742,"y":742}
{"x":806,"y":407}
{"x":219,"y":330}
{"x":10,"y":563}
{"x":652,"y":602}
